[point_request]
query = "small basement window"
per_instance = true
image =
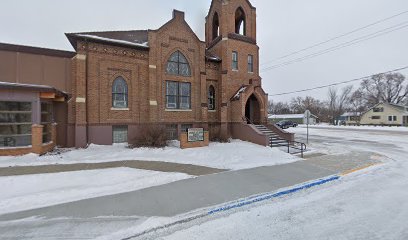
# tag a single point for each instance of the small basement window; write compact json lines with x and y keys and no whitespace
{"x":171,"y":130}
{"x":120,"y":134}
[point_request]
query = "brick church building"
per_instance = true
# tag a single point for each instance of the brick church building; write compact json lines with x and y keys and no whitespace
{"x":118,"y":82}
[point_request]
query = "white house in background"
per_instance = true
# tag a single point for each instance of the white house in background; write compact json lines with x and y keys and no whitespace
{"x":349,"y":118}
{"x":386,"y":114}
{"x":298,"y":118}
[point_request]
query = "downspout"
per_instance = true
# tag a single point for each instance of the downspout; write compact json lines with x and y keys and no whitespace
{"x":86,"y":92}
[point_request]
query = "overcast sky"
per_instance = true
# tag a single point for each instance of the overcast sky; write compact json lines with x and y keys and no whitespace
{"x":284,"y":27}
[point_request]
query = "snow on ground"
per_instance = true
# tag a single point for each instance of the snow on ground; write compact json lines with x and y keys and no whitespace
{"x":377,"y":128}
{"x":34,"y":191}
{"x":234,"y":155}
{"x":369,"y":204}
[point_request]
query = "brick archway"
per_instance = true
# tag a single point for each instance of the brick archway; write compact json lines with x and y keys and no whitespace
{"x":253,"y":110}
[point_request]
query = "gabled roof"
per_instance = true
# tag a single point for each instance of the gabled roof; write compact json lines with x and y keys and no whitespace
{"x":401,"y":108}
{"x":132,"y":38}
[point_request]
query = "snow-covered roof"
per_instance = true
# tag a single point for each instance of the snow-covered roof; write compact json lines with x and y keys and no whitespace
{"x":282,"y":116}
{"x":111,"y":40}
{"x":351,"y":114}
{"x":238,"y":94}
{"x":288,"y":116}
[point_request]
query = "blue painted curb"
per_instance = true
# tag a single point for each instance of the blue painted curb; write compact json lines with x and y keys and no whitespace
{"x":273,"y":195}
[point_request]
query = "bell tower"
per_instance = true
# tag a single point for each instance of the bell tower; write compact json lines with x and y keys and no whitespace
{"x":231,"y":35}
{"x":230,"y":17}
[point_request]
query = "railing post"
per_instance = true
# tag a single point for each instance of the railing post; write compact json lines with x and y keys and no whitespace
{"x":301,"y":150}
{"x":288,"y":147}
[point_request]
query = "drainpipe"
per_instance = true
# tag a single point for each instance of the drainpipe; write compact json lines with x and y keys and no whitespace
{"x":86,"y":92}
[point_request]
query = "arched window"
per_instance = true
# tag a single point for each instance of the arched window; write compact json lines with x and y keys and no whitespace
{"x":178,"y":65}
{"x":240,"y":22}
{"x":216,"y":26}
{"x":211,"y":98}
{"x":119,"y":93}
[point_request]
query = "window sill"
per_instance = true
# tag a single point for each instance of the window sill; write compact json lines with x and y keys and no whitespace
{"x":120,"y":109}
{"x":235,"y":70}
{"x":178,"y":110}
{"x":251,"y":72}
{"x":212,"y":111}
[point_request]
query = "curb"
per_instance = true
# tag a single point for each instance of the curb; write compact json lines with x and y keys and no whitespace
{"x":239,"y":204}
{"x":255,"y":199}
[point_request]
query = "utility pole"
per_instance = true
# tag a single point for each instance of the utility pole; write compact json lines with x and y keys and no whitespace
{"x":307,"y":114}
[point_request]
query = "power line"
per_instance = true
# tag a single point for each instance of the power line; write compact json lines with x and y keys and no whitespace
{"x":342,"y":45}
{"x":337,"y":37}
{"x":338,"y":83}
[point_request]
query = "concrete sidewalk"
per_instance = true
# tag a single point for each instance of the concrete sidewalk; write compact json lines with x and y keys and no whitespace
{"x":205,"y":191}
{"x":189,"y":169}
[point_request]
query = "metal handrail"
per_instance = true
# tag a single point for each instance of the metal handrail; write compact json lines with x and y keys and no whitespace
{"x":290,"y":144}
{"x":246,"y":120}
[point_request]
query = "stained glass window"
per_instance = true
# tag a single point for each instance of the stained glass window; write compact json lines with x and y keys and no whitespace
{"x":178,"y":95}
{"x":119,"y":93}
{"x":178,"y":65}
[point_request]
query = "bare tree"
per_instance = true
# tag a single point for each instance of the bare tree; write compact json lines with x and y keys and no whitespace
{"x":338,"y":102}
{"x":357,"y":103}
{"x":385,"y":88}
{"x":278,"y":108}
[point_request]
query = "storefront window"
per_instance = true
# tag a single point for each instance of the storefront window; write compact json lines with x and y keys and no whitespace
{"x":15,"y":124}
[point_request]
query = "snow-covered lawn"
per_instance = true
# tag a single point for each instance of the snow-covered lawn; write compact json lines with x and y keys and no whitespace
{"x":34,"y":191}
{"x":234,"y":155}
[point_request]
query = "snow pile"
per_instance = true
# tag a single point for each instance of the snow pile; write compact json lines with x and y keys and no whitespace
{"x":235,"y":155}
{"x":35,"y":191}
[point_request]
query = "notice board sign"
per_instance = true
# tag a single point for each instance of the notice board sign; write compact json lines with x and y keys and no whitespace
{"x":195,"y":134}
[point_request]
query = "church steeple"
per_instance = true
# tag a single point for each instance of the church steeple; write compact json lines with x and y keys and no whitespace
{"x":230,"y":17}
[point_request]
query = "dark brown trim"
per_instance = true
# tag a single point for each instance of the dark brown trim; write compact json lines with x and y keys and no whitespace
{"x":204,"y":105}
{"x":32,"y":88}
{"x":224,"y":72}
{"x":36,"y":50}
{"x":241,"y":38}
{"x":224,"y":105}
{"x":203,"y":73}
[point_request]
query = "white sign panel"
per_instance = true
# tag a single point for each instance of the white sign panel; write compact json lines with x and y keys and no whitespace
{"x":195,"y":134}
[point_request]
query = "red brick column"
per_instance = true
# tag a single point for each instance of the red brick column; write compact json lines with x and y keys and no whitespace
{"x":37,"y":138}
{"x":54,"y":133}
